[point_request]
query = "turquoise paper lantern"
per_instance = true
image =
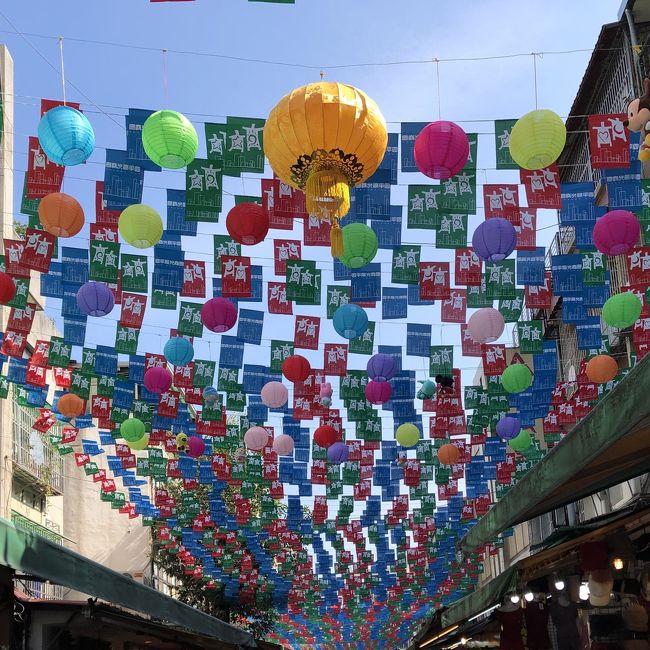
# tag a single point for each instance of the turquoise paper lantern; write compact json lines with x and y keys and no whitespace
{"x":350,"y":321}
{"x":66,"y":136}
{"x":178,"y":351}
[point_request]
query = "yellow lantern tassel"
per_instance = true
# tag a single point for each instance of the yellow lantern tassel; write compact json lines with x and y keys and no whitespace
{"x":328,"y":194}
{"x":336,"y":238}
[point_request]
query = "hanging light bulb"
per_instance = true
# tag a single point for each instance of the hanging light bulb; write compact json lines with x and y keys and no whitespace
{"x":529,"y":595}
{"x":559,"y":584}
{"x":514,"y":598}
{"x":463,"y":640}
{"x":584,"y":591}
{"x":618,"y":563}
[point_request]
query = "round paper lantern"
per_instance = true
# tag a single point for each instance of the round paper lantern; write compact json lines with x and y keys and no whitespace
{"x":210,"y":395}
{"x":622,"y":310}
{"x":516,"y":378}
{"x":169,"y":139}
{"x":616,"y":232}
{"x":296,"y":368}
{"x":140,"y":226}
{"x":508,"y":427}
{"x":248,"y":223}
{"x":350,"y":321}
{"x":381,"y":367}
{"x":338,"y":453}
{"x":132,"y":429}
{"x":256,"y":438}
{"x":140,"y":444}
{"x":359,"y":245}
{"x":408,"y":435}
{"x":95,"y":299}
{"x":601,"y":369}
{"x":178,"y":351}
{"x":70,"y":405}
{"x":274,"y":394}
{"x":61,"y":214}
{"x":448,"y":454}
{"x":325,"y":436}
{"x":195,"y":446}
{"x":157,"y":380}
{"x":219,"y":315}
{"x":485,"y":325}
{"x":537,"y":139}
{"x":494,"y":239}
{"x":7,"y":288}
{"x":283,"y":445}
{"x":521,"y":442}
{"x":378,"y":392}
{"x":441,"y":149}
{"x":325,"y":138}
{"x":66,"y":136}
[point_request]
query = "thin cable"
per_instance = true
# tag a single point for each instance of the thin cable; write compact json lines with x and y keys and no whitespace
{"x":62,"y":68}
{"x":164,"y":71}
{"x":437,"y":61}
{"x":534,"y":55}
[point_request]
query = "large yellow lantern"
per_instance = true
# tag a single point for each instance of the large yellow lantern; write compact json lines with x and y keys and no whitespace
{"x":325,"y":138}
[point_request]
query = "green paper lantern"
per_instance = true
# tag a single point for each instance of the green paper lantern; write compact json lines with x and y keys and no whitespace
{"x":169,"y":139}
{"x":359,"y":245}
{"x":137,"y":445}
{"x":132,"y":430}
{"x":520,"y":442}
{"x":622,"y":310}
{"x":407,"y":435}
{"x":537,"y":139}
{"x":140,"y":226}
{"x":516,"y":378}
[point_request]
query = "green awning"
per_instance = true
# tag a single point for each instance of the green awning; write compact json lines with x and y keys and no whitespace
{"x":28,"y":553}
{"x":478,"y":601}
{"x":605,"y":448}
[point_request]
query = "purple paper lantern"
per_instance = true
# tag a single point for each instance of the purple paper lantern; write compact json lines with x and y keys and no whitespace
{"x":441,"y":150}
{"x":95,"y":299}
{"x":378,"y":392}
{"x":616,"y":232}
{"x":195,"y":447}
{"x":219,"y":315}
{"x":157,"y":380}
{"x":508,"y":428}
{"x":494,"y":239}
{"x":381,"y":367}
{"x":338,"y":453}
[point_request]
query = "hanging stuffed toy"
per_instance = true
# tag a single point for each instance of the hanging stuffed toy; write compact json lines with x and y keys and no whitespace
{"x":445,"y":384}
{"x":326,"y":394}
{"x":427,"y":390}
{"x":638,"y":115}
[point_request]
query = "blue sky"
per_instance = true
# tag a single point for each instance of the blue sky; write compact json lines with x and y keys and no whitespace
{"x":317,"y":33}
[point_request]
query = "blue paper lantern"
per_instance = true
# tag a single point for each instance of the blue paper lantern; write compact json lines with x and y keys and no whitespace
{"x":66,"y":136}
{"x":350,"y":321}
{"x":178,"y":351}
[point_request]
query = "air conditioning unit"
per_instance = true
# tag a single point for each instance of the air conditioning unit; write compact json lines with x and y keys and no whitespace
{"x":137,"y":576}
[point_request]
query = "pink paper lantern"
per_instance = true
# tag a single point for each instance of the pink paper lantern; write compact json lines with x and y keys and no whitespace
{"x":441,"y":150}
{"x":274,"y":394}
{"x":219,"y":315}
{"x":195,"y":447}
{"x":157,"y":380}
{"x":616,"y":232}
{"x":256,"y":438}
{"x":283,"y":445}
{"x":485,"y":325}
{"x":378,"y":392}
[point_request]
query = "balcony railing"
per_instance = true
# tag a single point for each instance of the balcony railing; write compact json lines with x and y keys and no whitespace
{"x":38,"y":589}
{"x":49,"y":468}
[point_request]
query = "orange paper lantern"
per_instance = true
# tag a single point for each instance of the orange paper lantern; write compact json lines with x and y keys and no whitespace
{"x":601,"y":369}
{"x":449,"y":454}
{"x":61,"y":214}
{"x":71,"y":405}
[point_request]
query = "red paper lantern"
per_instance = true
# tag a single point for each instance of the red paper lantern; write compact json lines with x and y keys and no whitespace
{"x":296,"y":368}
{"x":449,"y":454}
{"x":248,"y":223}
{"x":219,"y":315}
{"x":616,"y":232}
{"x":7,"y":288}
{"x":378,"y":392}
{"x":325,"y":436}
{"x":441,"y":150}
